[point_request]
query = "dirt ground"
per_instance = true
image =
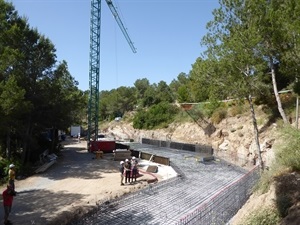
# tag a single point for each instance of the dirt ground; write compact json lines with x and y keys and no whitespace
{"x":74,"y":184}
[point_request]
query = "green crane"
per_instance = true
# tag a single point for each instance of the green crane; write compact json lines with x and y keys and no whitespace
{"x":94,"y":63}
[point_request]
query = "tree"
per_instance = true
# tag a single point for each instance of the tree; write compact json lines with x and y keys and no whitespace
{"x":13,"y":107}
{"x":164,"y":93}
{"x":141,"y":86}
{"x":232,"y":53}
{"x":291,"y":32}
{"x":183,"y":94}
{"x":35,"y":93}
{"x":200,"y":86}
{"x":116,"y":102}
{"x":66,"y":104}
{"x":268,"y":24}
{"x":127,"y":99}
{"x":104,"y":98}
{"x":181,"y":88}
{"x":149,"y":97}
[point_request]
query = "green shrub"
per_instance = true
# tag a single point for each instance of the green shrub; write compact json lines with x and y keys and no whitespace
{"x":209,"y":108}
{"x":265,"y":181}
{"x":183,"y":116}
{"x":195,"y":114}
{"x":157,"y":116}
{"x":236,"y":110}
{"x":260,"y":121}
{"x":139,"y":119}
{"x":287,"y":152}
{"x":268,"y":176}
{"x":267,"y":216}
{"x":218,"y":115}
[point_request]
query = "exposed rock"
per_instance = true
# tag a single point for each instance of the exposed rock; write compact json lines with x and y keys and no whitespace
{"x":293,"y":217}
{"x":241,"y":143}
{"x":224,"y":146}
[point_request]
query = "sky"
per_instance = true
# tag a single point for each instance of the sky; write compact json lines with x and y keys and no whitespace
{"x":166,"y":34}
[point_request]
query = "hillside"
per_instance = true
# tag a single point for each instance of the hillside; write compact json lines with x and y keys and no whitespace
{"x":233,"y":136}
{"x":232,"y":139}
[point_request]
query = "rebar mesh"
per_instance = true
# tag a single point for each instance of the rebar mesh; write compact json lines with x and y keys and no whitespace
{"x":202,"y":193}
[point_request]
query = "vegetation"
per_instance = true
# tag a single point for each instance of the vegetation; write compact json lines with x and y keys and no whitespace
{"x":38,"y":96}
{"x":155,"y":117}
{"x":286,"y":160}
{"x":263,"y":216}
{"x":287,"y":155}
{"x":288,"y":152}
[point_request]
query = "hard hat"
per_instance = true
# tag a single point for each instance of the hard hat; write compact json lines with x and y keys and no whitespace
{"x":122,"y":162}
{"x":126,"y":160}
{"x":11,"y":166}
{"x":133,"y":157}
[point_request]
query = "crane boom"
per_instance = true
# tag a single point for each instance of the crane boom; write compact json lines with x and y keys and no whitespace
{"x":94,"y":63}
{"x":117,"y":18}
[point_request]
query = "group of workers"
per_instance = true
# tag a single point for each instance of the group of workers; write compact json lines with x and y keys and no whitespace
{"x":129,"y":170}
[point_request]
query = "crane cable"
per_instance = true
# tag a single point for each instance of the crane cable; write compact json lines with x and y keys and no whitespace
{"x":116,"y":41}
{"x":116,"y":55}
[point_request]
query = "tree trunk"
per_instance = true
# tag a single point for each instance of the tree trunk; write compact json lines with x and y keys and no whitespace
{"x":256,"y":135}
{"x":279,"y":105}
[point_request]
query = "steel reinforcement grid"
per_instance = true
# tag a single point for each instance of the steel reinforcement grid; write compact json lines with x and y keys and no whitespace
{"x":202,"y":194}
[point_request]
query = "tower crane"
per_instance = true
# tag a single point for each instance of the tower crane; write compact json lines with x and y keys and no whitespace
{"x":94,"y":63}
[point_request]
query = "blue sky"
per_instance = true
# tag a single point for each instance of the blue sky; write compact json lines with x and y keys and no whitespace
{"x":166,"y":34}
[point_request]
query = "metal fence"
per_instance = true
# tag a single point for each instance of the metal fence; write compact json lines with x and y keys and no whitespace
{"x":221,"y":207}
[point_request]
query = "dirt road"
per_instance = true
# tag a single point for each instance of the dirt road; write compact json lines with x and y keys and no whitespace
{"x":73,"y":184}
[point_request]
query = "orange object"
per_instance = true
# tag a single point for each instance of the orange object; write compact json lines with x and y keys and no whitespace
{"x":99,"y":154}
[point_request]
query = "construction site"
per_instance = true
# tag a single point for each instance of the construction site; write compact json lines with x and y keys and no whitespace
{"x":205,"y":190}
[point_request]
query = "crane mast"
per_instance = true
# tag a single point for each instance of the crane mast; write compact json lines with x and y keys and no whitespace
{"x":94,"y":63}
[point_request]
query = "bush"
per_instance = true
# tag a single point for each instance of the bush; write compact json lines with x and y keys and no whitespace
{"x":265,"y":181}
{"x":236,"y":110}
{"x":218,"y":115}
{"x":209,"y":108}
{"x":287,"y":152}
{"x":267,"y":216}
{"x":156,"y":116}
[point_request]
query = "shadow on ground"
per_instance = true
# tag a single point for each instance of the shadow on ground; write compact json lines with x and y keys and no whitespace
{"x":36,"y":206}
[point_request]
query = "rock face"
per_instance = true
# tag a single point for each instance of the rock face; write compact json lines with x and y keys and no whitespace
{"x":233,"y":138}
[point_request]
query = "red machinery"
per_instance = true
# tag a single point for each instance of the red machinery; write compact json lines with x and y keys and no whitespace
{"x":106,"y":146}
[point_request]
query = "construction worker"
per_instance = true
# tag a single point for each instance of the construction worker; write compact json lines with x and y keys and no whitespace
{"x":134,"y":169}
{"x":127,"y":168}
{"x":12,"y":176}
{"x":78,"y":136}
{"x":121,"y":168}
{"x":7,"y":196}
